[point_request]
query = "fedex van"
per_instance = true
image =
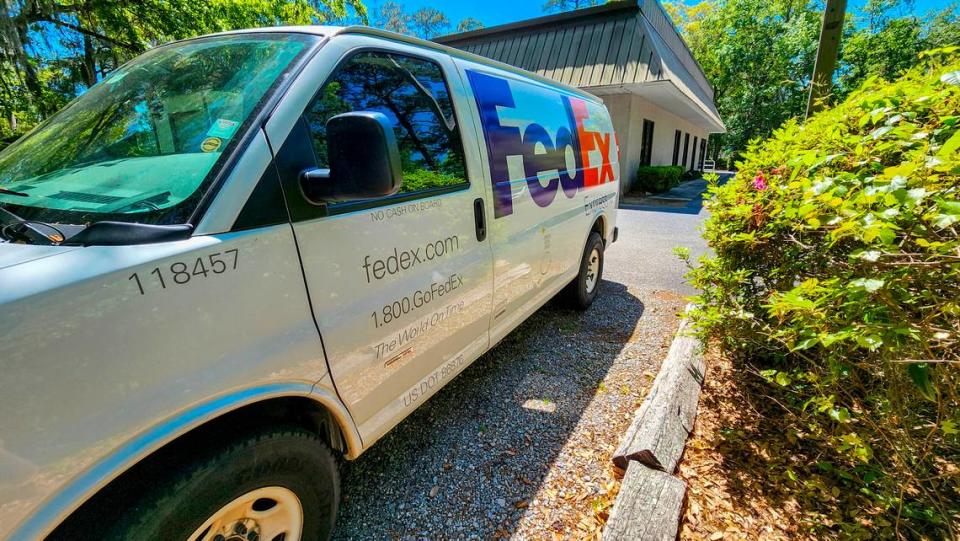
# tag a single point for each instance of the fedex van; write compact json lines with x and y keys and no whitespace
{"x":244,"y":257}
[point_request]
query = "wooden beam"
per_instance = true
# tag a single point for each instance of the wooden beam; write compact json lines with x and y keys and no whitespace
{"x":665,"y":419}
{"x":648,"y":506}
{"x":831,"y":31}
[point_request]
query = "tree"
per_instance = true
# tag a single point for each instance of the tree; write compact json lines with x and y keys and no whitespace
{"x":428,"y":23}
{"x":758,"y":55}
{"x":879,"y":44}
{"x":469,"y":24}
{"x":944,"y":27}
{"x":891,"y":49}
{"x":51,"y":51}
{"x":558,"y":6}
{"x":391,"y":16}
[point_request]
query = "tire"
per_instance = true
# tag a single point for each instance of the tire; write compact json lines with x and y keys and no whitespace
{"x":581,"y":292}
{"x":262,"y":468}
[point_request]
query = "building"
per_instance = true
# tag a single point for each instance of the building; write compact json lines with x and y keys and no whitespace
{"x":628,"y":53}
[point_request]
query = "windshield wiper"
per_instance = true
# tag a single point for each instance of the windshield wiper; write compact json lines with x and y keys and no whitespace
{"x":15,"y":229}
{"x":5,"y":191}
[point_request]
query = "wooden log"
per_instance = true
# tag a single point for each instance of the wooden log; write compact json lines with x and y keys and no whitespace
{"x":665,"y":419}
{"x":648,"y":506}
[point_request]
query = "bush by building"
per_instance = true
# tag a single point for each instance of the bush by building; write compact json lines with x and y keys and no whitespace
{"x":836,"y":276}
{"x":658,"y":178}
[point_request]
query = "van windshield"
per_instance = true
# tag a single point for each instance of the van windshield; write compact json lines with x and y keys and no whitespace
{"x":142,"y":145}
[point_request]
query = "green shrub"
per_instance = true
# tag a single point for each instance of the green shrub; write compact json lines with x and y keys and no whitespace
{"x":837,"y":274}
{"x":658,"y":178}
{"x":425,"y":179}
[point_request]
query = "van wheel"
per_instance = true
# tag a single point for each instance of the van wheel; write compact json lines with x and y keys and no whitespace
{"x":583,"y":289}
{"x":276,"y":485}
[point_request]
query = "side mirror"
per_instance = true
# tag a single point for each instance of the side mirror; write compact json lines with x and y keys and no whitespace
{"x":364,"y":160}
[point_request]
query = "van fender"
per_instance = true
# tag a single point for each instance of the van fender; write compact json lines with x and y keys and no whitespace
{"x":85,"y":485}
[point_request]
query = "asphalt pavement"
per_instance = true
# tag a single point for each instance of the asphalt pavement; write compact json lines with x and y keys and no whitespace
{"x":649,"y":232}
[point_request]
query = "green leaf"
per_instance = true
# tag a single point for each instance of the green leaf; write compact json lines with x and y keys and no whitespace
{"x":944,"y":220}
{"x":868,"y":284}
{"x":867,"y":255}
{"x":949,"y":207}
{"x":950,"y":213}
{"x":920,"y":375}
{"x":951,"y":146}
{"x":949,"y":427}
{"x":951,"y":78}
{"x":870,"y":341}
{"x":916,"y":195}
{"x":806,"y":343}
{"x":841,"y":415}
{"x":782,"y":379}
{"x":881,"y":131}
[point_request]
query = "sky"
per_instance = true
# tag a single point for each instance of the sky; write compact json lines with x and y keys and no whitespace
{"x":494,"y":12}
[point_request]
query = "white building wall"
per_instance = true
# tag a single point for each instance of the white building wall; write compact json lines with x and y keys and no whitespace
{"x":628,"y":112}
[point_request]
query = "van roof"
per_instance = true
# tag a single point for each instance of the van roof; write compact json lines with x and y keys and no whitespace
{"x":330,"y":31}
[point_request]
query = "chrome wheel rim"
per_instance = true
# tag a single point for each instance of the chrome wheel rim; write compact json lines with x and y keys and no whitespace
{"x":264,"y":514}
{"x":593,"y":270}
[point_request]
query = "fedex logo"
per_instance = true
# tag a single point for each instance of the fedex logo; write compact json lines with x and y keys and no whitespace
{"x":566,"y":148}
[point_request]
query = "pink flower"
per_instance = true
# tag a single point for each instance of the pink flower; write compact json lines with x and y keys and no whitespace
{"x":760,"y":182}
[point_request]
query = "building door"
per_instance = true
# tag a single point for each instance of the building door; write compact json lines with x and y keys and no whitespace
{"x":676,"y":147}
{"x":693,"y":155}
{"x":646,"y":144}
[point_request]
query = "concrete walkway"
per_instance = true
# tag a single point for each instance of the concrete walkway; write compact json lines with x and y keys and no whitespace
{"x":687,"y":198}
{"x":686,"y":191}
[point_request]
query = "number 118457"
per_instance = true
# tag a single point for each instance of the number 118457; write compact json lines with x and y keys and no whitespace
{"x":181,"y":272}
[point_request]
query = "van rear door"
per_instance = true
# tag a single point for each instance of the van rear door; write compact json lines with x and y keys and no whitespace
{"x":401,"y":285}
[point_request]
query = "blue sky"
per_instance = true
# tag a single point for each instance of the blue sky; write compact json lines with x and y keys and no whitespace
{"x":494,"y":12}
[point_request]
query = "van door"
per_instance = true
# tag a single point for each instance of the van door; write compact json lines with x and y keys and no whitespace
{"x":543,"y":146}
{"x":520,"y":241}
{"x":401,"y":286}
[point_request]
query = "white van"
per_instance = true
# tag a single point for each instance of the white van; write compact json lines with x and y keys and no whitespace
{"x":243,"y":257}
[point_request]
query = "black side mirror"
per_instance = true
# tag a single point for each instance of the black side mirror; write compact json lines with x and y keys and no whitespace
{"x":364,"y":160}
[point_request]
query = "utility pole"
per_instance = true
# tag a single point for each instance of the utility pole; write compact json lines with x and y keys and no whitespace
{"x":830,"y":32}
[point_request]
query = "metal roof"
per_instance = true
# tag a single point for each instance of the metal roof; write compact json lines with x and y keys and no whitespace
{"x":618,"y":47}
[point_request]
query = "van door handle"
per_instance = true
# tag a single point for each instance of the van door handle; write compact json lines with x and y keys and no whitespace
{"x":479,"y":219}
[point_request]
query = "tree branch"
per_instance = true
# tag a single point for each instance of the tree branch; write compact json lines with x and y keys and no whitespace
{"x":126,"y":45}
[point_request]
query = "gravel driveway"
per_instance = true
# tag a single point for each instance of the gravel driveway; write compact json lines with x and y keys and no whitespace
{"x":518,"y":446}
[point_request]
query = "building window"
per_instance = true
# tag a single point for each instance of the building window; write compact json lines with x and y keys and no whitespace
{"x":693,"y":154}
{"x":686,"y":148}
{"x":646,"y":145}
{"x":676,"y":147}
{"x":413,"y":94}
{"x":703,"y":152}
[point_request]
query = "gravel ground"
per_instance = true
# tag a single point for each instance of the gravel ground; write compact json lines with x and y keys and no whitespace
{"x":518,"y":446}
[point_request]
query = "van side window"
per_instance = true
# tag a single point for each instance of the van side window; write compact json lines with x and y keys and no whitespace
{"x":412,"y":93}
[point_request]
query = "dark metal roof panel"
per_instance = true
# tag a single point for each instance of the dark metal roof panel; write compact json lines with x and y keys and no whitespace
{"x":589,"y":47}
{"x":598,"y":46}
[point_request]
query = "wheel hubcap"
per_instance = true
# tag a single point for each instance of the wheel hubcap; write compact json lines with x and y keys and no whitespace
{"x":593,"y":270}
{"x":264,"y":514}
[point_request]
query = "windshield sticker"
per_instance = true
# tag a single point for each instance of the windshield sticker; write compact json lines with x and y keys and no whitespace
{"x":210,"y":144}
{"x":222,"y":128}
